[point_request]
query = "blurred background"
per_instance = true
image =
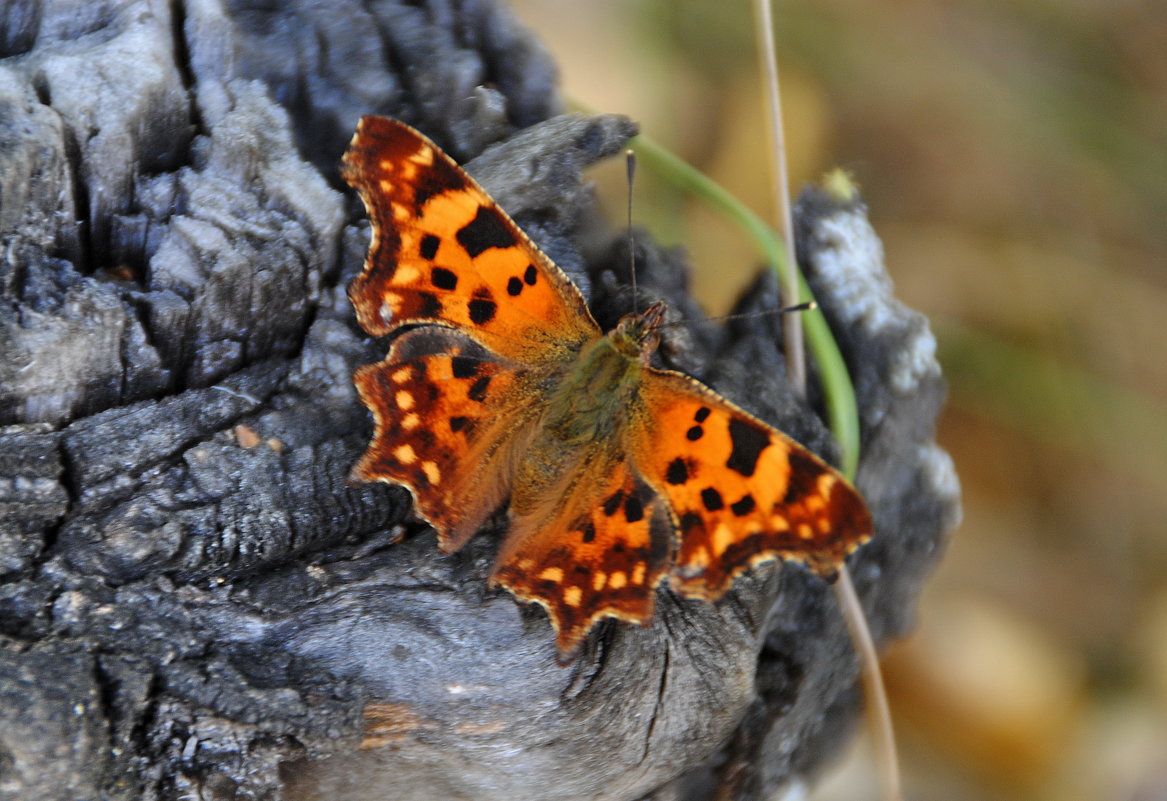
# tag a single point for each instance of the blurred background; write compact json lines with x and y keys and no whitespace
{"x":1014,"y":157}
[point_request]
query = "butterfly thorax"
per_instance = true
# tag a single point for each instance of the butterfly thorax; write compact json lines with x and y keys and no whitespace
{"x":597,"y":391}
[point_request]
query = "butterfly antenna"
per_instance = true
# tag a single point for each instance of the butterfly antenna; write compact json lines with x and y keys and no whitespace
{"x":807,"y":305}
{"x":630,"y":166}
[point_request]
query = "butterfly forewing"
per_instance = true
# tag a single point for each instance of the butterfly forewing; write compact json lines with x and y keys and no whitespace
{"x":442,"y":251}
{"x":741,"y":492}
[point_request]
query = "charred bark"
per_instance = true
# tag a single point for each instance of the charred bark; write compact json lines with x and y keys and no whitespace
{"x":192,"y":599}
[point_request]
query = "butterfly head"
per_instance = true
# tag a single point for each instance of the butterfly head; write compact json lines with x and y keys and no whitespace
{"x":637,"y":335}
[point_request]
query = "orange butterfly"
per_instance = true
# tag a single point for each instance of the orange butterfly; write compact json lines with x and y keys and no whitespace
{"x":504,"y":386}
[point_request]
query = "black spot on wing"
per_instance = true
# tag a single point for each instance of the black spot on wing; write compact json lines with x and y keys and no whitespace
{"x":482,"y":307}
{"x":482,"y":311}
{"x":487,"y":230}
{"x":613,"y":502}
{"x":443,"y":278}
{"x":694,"y":433}
{"x":477,"y":391}
{"x":702,"y":414}
{"x":458,"y":423}
{"x":530,"y":275}
{"x":743,"y":506}
{"x":677,"y":472}
{"x":712,"y":499}
{"x":514,"y":286}
{"x":633,"y":509}
{"x":804,"y":476}
{"x":428,"y":305}
{"x":589,"y":531}
{"x":437,"y":180}
{"x":429,"y":246}
{"x":463,"y":367}
{"x":749,"y":440}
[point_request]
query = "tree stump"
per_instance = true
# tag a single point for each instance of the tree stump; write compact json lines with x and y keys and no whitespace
{"x":194,"y":603}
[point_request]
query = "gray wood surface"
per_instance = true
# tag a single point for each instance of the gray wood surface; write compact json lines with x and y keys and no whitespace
{"x":193,"y":603}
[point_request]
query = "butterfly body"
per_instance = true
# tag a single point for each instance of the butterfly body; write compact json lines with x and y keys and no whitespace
{"x":503,"y":389}
{"x":600,"y":388}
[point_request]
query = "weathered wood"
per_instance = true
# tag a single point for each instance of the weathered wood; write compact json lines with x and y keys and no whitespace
{"x":193,"y":601}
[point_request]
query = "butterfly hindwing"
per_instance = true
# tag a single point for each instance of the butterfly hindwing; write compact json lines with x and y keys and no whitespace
{"x":600,"y":553}
{"x":448,"y":418}
{"x":443,"y":252}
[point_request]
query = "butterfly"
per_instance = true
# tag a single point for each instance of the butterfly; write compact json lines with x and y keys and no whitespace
{"x":500,"y":387}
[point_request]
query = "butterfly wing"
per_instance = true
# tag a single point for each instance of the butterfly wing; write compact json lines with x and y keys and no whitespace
{"x":599,"y":550}
{"x":443,"y":252}
{"x":450,"y":420}
{"x":741,"y":492}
